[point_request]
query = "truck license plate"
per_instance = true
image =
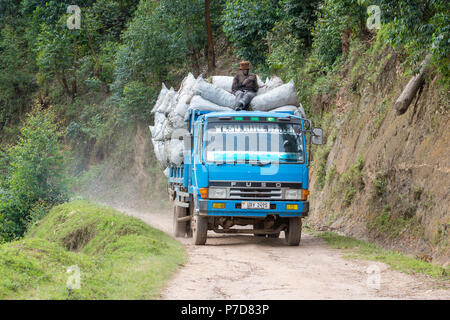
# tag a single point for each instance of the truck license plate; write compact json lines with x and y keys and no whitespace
{"x":255,"y":205}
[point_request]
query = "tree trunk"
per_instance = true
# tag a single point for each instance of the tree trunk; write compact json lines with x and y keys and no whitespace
{"x":211,"y":54}
{"x":195,"y":62}
{"x":408,"y":94}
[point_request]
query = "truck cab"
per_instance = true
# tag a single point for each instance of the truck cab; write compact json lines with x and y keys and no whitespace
{"x":244,"y":172}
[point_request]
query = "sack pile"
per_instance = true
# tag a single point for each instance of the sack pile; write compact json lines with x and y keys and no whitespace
{"x":172,"y":107}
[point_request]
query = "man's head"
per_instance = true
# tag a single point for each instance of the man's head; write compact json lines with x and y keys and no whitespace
{"x":245,"y":67}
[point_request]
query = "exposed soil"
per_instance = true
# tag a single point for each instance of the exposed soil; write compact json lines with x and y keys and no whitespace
{"x":247,"y":267}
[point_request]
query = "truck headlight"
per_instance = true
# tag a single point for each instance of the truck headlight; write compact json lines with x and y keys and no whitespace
{"x":217,"y":193}
{"x":293,"y":194}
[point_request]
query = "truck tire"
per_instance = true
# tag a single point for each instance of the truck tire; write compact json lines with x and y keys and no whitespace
{"x":293,"y":233}
{"x":199,"y":227}
{"x":179,"y":228}
{"x":190,"y":211}
{"x":259,"y":225}
{"x":188,"y":230}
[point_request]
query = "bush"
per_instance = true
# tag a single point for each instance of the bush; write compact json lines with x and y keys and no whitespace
{"x":36,"y":174}
{"x":137,"y":100}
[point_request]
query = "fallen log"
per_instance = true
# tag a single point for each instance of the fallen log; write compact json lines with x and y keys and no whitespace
{"x":404,"y":100}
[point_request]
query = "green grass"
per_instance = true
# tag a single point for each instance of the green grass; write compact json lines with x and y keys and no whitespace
{"x":359,"y":249}
{"x":119,"y":257}
{"x":351,"y":181}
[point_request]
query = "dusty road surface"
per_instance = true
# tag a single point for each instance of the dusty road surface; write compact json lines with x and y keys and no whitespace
{"x":247,"y":267}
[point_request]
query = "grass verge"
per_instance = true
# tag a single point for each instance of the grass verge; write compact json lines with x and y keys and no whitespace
{"x":360,"y":249}
{"x":119,"y":257}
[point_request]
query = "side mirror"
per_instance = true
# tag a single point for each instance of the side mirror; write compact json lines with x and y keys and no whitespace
{"x":317,"y":136}
{"x":187,"y":139}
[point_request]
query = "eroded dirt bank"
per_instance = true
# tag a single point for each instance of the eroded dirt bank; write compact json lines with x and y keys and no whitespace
{"x":246,"y":267}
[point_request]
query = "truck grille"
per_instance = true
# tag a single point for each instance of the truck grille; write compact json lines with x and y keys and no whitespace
{"x":255,"y":193}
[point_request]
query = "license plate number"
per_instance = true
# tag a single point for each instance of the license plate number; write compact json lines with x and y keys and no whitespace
{"x":255,"y":205}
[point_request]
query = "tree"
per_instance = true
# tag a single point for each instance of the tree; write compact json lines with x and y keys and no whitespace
{"x":36,"y":176}
{"x":246,"y":23}
{"x":58,"y":50}
{"x":337,"y":20}
{"x":17,"y":69}
{"x":211,"y":54}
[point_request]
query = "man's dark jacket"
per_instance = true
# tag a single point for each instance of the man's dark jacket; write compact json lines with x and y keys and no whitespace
{"x":242,"y":82}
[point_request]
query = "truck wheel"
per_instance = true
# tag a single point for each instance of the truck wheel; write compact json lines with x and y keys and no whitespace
{"x":259,"y":225}
{"x":188,"y":230}
{"x":179,"y":228}
{"x":199,"y":229}
{"x":293,"y":233}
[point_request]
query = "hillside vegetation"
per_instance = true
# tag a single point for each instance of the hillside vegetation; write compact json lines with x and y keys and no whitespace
{"x":118,"y":257}
{"x":381,"y":176}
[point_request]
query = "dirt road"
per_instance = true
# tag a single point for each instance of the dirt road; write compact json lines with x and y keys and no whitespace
{"x":247,"y":267}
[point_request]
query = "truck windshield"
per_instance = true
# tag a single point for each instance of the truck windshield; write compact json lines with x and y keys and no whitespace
{"x":242,"y":142}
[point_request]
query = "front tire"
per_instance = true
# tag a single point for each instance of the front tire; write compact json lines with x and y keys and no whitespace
{"x":199,"y":227}
{"x":293,"y":233}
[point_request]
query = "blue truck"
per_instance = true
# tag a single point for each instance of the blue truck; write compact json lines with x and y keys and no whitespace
{"x":243,"y":168}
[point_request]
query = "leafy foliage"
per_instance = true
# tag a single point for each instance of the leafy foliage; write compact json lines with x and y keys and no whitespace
{"x":335,"y":17}
{"x":17,"y":69}
{"x":246,"y":23}
{"x":36,"y":176}
{"x":420,"y":27}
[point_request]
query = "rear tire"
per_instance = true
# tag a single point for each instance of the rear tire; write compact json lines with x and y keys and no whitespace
{"x":293,"y":233}
{"x":179,"y":228}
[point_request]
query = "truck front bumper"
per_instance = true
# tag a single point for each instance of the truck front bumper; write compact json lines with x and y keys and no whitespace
{"x":233,"y":209}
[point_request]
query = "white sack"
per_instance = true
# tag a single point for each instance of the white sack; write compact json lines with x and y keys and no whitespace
{"x":199,"y":103}
{"x":166,"y":103}
{"x":166,"y":172}
{"x":172,"y":104}
{"x":223,"y":82}
{"x":159,"y":136}
{"x":160,"y":121}
{"x":270,"y":84}
{"x":284,"y":95}
{"x":285,"y":108}
{"x":182,"y":105}
{"x":167,"y":131}
{"x":176,"y":121}
{"x":187,"y":84}
{"x":175,"y":151}
{"x":158,"y":148}
{"x":191,"y":92}
{"x":214,"y":94}
{"x":161,"y":96}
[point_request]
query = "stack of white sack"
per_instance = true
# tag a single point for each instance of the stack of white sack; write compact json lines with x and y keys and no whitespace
{"x":172,"y":107}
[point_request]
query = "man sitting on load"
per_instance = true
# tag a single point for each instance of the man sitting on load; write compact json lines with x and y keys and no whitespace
{"x":245,"y":86}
